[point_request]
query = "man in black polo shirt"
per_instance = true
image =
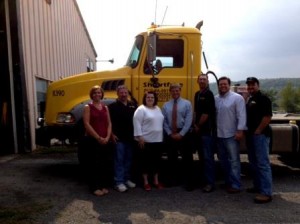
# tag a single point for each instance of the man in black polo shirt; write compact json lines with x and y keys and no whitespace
{"x":205,"y":126}
{"x":121,"y":113}
{"x":259,"y":114}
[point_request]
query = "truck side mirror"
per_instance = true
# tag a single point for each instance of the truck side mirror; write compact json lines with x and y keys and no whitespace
{"x":151,"y":48}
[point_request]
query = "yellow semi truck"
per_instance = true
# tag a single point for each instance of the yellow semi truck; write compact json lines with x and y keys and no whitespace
{"x":178,"y":49}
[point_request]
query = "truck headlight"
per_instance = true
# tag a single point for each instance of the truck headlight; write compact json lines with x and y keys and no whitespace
{"x":63,"y":118}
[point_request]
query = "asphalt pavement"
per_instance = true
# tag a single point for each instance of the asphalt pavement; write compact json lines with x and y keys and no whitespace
{"x":46,"y":187}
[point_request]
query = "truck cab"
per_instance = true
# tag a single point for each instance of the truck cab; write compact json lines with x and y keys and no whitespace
{"x":176,"y":48}
{"x":159,"y":56}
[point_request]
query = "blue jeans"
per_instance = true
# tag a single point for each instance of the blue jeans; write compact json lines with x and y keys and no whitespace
{"x":229,"y":155}
{"x":122,"y":162}
{"x":209,"y":161}
{"x":258,"y":155}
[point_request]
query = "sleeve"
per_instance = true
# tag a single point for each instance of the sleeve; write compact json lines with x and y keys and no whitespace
{"x":212,"y":104}
{"x":241,"y":113}
{"x":196,"y":102}
{"x":137,"y":121}
{"x":188,"y":118}
{"x":166,"y":125}
{"x":266,"y":106}
{"x":111,"y":110}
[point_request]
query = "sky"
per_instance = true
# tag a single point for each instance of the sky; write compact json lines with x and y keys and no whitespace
{"x":241,"y":38}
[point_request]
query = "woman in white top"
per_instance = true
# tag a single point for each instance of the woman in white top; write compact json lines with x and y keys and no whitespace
{"x":148,"y":131}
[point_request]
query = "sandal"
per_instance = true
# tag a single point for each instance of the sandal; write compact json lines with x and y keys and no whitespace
{"x":105,"y":191}
{"x":98,"y":193}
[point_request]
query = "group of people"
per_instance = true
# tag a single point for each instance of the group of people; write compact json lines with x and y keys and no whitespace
{"x":220,"y":122}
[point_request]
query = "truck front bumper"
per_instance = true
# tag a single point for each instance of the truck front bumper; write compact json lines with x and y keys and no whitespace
{"x":44,"y":134}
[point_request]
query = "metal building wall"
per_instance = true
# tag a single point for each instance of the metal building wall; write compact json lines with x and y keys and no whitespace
{"x":54,"y":42}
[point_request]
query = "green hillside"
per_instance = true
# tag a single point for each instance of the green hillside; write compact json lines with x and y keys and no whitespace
{"x":267,"y":84}
{"x":273,"y":88}
{"x":276,"y":84}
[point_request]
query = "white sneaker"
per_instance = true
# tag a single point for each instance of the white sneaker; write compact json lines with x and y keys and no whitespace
{"x":130,"y":184}
{"x":121,"y":188}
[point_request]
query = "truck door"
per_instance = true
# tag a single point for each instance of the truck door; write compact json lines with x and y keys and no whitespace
{"x":169,"y":65}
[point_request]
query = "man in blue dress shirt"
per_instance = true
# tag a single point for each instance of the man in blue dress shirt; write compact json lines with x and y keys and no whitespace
{"x":231,"y":124}
{"x":178,"y":115}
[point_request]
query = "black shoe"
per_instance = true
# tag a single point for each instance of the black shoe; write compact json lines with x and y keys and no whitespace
{"x":189,"y":188}
{"x":252,"y":190}
{"x":261,"y":199}
{"x":232,"y":190}
{"x":224,"y":186}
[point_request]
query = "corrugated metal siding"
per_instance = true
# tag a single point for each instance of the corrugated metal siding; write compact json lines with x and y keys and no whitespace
{"x":55,"y":44}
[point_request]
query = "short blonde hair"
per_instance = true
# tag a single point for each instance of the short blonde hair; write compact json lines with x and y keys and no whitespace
{"x":94,"y":88}
{"x":175,"y":85}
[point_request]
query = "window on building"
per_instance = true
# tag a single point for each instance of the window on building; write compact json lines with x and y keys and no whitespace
{"x":41,"y":90}
{"x":90,"y":67}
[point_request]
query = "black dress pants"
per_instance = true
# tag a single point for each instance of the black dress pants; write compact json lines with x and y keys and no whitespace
{"x":182,"y":169}
{"x":97,"y":163}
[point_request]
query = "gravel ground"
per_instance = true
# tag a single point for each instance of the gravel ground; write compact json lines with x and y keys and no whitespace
{"x":43,"y":187}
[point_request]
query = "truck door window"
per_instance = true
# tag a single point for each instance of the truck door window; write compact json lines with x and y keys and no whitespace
{"x":169,"y":52}
{"x":135,"y":52}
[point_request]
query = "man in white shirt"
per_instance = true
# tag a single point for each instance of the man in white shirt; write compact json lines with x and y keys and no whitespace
{"x":231,"y":123}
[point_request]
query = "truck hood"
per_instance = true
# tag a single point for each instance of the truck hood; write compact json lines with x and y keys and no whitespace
{"x":65,"y":94}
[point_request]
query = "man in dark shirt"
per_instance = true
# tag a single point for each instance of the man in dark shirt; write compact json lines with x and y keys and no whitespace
{"x":259,"y":114}
{"x":205,"y":126}
{"x":121,"y":113}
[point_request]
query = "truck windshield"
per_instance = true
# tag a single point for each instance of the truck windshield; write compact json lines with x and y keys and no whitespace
{"x":135,"y":52}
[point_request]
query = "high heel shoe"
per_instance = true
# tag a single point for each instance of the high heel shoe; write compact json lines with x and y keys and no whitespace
{"x":147,"y":187}
{"x":159,"y":186}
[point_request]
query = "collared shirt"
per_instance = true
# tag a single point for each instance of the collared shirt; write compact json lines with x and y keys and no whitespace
{"x":184,"y":115}
{"x":258,"y":106}
{"x":121,"y":116}
{"x":231,"y":114}
{"x":204,"y":102}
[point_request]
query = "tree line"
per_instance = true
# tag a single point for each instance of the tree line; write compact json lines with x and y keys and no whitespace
{"x":283,"y":92}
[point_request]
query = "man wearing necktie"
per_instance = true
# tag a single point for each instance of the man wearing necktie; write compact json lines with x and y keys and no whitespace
{"x":178,"y":115}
